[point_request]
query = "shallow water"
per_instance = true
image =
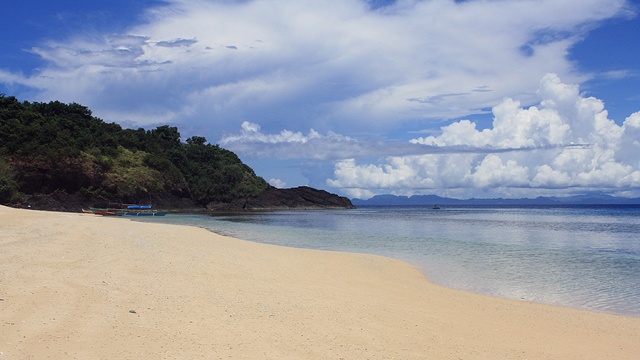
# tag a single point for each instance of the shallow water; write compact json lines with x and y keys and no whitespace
{"x":580,"y":257}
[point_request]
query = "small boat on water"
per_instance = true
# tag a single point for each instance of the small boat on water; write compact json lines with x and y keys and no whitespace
{"x":141,"y":210}
{"x":435,"y":207}
{"x":143,"y":213}
{"x":139,"y":207}
{"x":115,"y":209}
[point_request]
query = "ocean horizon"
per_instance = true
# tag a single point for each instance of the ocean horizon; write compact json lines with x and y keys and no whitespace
{"x":582,"y":257}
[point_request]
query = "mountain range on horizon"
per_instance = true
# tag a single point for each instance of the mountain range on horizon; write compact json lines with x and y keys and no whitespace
{"x":418,"y":200}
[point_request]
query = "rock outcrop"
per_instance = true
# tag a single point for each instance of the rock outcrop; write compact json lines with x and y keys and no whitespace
{"x":301,"y":198}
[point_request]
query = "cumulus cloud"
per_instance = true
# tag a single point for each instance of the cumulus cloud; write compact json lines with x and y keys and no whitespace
{"x":334,"y":64}
{"x":252,"y":142}
{"x":567,"y":142}
{"x":277,"y":183}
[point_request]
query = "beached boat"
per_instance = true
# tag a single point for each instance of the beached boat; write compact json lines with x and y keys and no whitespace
{"x":105,"y":212}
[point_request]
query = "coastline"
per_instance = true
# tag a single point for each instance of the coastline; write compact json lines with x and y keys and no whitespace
{"x":83,"y":286}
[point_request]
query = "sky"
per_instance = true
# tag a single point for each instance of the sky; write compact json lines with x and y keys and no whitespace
{"x":475,"y":98}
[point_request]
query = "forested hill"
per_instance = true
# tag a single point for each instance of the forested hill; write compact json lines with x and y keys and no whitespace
{"x":60,"y":152}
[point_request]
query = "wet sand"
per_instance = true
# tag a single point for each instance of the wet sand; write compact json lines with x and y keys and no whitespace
{"x":89,"y":287}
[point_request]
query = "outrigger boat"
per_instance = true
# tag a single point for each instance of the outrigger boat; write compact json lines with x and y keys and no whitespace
{"x":141,"y":210}
{"x":144,"y":213}
{"x":105,"y":212}
{"x":125,"y":210}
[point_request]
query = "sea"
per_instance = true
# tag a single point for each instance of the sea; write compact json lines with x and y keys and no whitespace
{"x":582,"y":257}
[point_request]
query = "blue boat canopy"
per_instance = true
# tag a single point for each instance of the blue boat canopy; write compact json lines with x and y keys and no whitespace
{"x":139,"y":207}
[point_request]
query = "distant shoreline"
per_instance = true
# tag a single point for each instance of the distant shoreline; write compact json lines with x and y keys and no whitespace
{"x":430,"y":200}
{"x":506,"y":206}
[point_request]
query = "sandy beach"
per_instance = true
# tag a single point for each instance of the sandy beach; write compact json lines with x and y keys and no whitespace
{"x":78,"y":286}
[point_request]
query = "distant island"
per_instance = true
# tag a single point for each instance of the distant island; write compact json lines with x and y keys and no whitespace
{"x":430,"y":200}
{"x":56,"y":156}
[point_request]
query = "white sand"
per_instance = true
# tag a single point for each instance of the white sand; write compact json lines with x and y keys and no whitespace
{"x":76,"y":286}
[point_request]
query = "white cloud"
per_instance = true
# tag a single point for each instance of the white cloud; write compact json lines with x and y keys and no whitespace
{"x":253,"y":143}
{"x":332,"y":64}
{"x":606,"y":155}
{"x":492,"y":172}
{"x":277,"y":183}
{"x":564,"y":142}
{"x":251,"y":133}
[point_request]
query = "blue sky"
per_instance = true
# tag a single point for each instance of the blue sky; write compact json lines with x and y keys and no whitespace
{"x":478,"y":98}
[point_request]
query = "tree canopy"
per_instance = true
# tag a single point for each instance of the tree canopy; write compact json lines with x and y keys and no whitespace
{"x":49,"y":147}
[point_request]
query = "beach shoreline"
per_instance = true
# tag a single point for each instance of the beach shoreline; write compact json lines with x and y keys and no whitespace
{"x":84,"y":286}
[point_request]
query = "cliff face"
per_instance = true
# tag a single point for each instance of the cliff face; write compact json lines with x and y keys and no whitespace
{"x":303,"y":197}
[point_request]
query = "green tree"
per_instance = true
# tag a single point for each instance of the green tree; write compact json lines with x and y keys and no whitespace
{"x":48,"y":147}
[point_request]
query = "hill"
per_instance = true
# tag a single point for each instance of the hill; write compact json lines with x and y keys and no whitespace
{"x":59,"y":156}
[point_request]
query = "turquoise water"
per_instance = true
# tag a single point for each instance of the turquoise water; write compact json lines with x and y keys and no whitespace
{"x":579,"y":257}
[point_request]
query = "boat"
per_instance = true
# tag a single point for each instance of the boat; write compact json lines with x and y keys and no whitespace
{"x":139,"y":207}
{"x":435,"y":207}
{"x":141,"y":210}
{"x":117,"y":209}
{"x":143,"y":213}
{"x":105,"y":212}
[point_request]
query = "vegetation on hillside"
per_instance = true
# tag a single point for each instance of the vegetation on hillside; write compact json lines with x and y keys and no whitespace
{"x":55,"y":147}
